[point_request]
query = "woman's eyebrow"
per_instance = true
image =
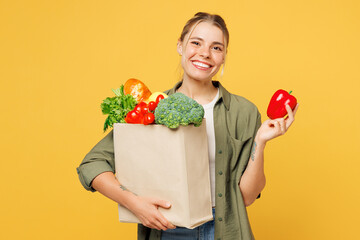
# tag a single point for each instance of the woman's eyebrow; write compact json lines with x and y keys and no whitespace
{"x":218,"y":43}
{"x":197,"y":38}
{"x":200,"y":39}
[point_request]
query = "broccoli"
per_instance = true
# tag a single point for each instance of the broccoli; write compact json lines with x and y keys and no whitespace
{"x":178,"y":109}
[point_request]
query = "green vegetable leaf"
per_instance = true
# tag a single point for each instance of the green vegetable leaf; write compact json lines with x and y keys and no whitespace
{"x":119,"y":91}
{"x":122,"y":90}
{"x":116,"y":91}
{"x":117,"y":107}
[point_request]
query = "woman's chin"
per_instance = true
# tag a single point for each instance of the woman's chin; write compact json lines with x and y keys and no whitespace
{"x":201,"y":78}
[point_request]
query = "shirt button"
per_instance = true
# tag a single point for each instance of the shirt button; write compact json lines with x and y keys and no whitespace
{"x":220,"y":195}
{"x":220,"y":172}
{"x":220,"y":152}
{"x":220,"y":219}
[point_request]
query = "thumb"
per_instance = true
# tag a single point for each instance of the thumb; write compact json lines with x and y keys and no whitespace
{"x":162,"y":203}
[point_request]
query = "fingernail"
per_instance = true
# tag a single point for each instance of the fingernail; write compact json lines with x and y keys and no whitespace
{"x":168,"y":204}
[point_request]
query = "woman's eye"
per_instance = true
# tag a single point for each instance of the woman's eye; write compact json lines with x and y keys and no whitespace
{"x":195,"y":43}
{"x":218,"y":48}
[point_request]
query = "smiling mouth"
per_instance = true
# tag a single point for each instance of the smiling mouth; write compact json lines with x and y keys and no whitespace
{"x":201,"y":65}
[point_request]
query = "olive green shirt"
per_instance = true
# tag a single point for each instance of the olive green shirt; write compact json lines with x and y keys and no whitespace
{"x":236,"y":121}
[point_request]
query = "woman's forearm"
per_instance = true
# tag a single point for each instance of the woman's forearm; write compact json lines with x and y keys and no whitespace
{"x":107,"y":184}
{"x":253,"y":180}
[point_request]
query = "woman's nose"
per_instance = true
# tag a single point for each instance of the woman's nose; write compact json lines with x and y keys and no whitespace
{"x":204,"y":52}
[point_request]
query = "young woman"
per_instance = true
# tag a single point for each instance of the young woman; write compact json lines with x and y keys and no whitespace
{"x":236,"y":140}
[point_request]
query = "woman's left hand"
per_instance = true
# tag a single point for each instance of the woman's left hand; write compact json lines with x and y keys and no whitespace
{"x":270,"y":129}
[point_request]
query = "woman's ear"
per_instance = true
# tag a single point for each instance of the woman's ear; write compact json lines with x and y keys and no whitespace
{"x":179,"y":47}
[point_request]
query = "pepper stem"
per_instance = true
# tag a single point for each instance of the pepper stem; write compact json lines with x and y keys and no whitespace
{"x":290,"y":92}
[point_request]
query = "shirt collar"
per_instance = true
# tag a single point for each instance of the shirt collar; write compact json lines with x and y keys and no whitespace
{"x":224,"y":95}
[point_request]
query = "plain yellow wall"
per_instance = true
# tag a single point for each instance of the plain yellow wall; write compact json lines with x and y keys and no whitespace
{"x":60,"y":59}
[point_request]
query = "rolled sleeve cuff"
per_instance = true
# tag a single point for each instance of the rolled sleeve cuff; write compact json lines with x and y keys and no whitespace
{"x":89,"y":171}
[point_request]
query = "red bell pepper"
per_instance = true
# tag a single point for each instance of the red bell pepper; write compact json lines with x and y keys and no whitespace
{"x":276,"y":108}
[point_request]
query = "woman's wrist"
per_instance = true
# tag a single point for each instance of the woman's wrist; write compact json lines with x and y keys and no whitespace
{"x":125,"y":197}
{"x":260,"y":143}
{"x":129,"y":200}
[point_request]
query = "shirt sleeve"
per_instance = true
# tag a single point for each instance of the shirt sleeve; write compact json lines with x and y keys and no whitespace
{"x":100,"y":159}
{"x":258,"y":124}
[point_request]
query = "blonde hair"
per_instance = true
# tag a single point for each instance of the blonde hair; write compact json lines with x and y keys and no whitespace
{"x":206,"y":17}
{"x":201,"y":17}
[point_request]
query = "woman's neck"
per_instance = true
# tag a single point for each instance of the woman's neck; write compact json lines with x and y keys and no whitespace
{"x":201,"y":91}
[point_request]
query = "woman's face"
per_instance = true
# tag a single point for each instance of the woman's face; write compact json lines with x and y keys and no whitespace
{"x":204,"y":53}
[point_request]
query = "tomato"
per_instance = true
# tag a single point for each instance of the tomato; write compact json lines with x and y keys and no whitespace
{"x":142,"y":108}
{"x":152,"y":105}
{"x":139,"y":107}
{"x":133,"y":117}
{"x":160,"y":97}
{"x":149,"y":118}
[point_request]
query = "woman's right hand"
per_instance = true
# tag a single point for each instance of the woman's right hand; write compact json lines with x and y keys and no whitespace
{"x":146,"y":210}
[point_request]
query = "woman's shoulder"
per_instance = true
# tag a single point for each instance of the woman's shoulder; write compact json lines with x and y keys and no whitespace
{"x":237,"y":102}
{"x":242,"y":102}
{"x":240,"y":105}
{"x":233,"y":99}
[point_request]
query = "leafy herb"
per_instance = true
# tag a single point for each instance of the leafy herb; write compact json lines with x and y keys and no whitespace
{"x":117,"y":107}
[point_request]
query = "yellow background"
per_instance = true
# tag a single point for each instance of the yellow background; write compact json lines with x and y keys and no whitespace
{"x":60,"y":59}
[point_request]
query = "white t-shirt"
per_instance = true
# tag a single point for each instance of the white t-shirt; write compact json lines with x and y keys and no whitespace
{"x":210,"y":130}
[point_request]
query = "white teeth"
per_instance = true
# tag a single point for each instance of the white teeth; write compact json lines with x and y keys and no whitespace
{"x":201,"y":64}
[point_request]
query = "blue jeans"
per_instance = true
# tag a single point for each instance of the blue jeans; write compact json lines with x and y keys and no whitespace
{"x":202,"y":232}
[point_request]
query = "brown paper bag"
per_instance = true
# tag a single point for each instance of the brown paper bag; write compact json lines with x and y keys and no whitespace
{"x":173,"y":165}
